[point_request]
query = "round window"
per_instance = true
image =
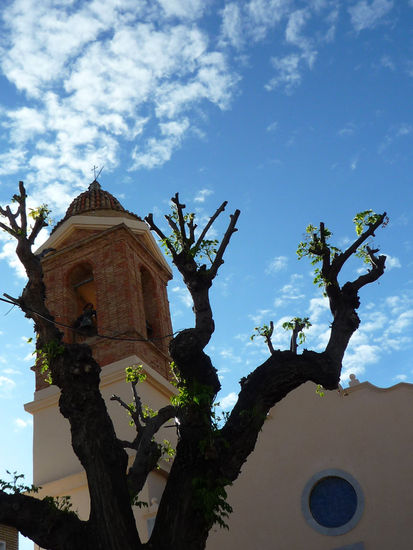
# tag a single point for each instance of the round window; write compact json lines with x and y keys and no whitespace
{"x":332,"y":502}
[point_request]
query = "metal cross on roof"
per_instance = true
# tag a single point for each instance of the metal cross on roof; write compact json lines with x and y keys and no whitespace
{"x":94,"y":172}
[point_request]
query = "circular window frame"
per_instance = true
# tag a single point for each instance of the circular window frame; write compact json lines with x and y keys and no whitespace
{"x":305,"y":502}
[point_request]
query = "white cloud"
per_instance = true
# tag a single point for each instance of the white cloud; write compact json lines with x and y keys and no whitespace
{"x":277,"y":264}
{"x":395,"y":133}
{"x":228,"y":401}
{"x":291,"y":291}
{"x":228,"y":354}
{"x":395,"y":303}
{"x":392,"y":261}
{"x":331,"y":20}
{"x":318,"y":307}
{"x":400,"y":377}
{"x":232,"y":25}
{"x":202,"y":195}
{"x":262,"y":15}
{"x":251,"y":21}
{"x":9,"y":370}
{"x":358,"y":357}
{"x":261,"y":316}
{"x":347,"y":130}
{"x":403,"y":322}
{"x":288,"y":69}
{"x":7,"y":385}
{"x":8,"y":253}
{"x":186,"y":9}
{"x":12,"y":161}
{"x":387,"y":63}
{"x":366,"y":14}
{"x":354,"y":163}
{"x":372,"y":322}
{"x":24,"y":123}
{"x":183,"y":295}
{"x":293,"y":34}
{"x":21,"y":424}
{"x":272,"y":127}
{"x":98,"y":73}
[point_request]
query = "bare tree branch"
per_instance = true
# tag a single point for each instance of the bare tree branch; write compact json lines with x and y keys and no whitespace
{"x":161,"y":235}
{"x":134,"y":414}
{"x":148,"y":452}
{"x":209,"y":224}
{"x":218,"y":261}
{"x":268,"y":338}
{"x":179,"y":210}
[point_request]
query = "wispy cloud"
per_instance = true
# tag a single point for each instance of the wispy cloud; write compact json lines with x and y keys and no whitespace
{"x":366,"y":14}
{"x":358,"y":357}
{"x":387,"y":63}
{"x":21,"y":424}
{"x":261,"y":316}
{"x":228,"y":354}
{"x":278,"y":263}
{"x":202,"y":195}
{"x":228,"y":401}
{"x":354,"y":163}
{"x":232,"y":25}
{"x":392,"y":262}
{"x":183,"y":295}
{"x":272,"y":127}
{"x":347,"y":130}
{"x":97,"y":75}
{"x":394,"y":134}
{"x":288,"y":69}
{"x":290,"y":292}
{"x":7,"y":385}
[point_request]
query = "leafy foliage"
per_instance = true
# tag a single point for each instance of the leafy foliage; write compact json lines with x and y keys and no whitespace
{"x":212,"y":500}
{"x":315,"y":245}
{"x":50,"y":351}
{"x":168,"y":452}
{"x":135,"y":374}
{"x":364,"y":219}
{"x":62,"y":503}
{"x":264,"y":331}
{"x":206,"y":248}
{"x":41,"y":212}
{"x":319,"y":390}
{"x":194,"y":394}
{"x":15,"y":485}
{"x":299,"y":324}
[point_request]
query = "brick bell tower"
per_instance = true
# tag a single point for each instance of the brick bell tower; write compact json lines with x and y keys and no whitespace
{"x":105,"y":281}
{"x":104,"y":256}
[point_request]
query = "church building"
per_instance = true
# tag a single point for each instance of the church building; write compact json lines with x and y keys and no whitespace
{"x":105,"y":275}
{"x":328,"y":473}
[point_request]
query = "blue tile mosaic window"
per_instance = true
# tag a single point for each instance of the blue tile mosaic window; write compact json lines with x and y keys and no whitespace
{"x":333,"y":501}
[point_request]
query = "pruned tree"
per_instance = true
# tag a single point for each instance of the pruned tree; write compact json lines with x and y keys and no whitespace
{"x":209,"y":456}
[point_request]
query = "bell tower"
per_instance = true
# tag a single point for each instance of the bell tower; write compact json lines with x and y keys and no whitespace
{"x":106,"y":282}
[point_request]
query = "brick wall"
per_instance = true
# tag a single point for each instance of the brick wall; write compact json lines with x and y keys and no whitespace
{"x":118,"y":258}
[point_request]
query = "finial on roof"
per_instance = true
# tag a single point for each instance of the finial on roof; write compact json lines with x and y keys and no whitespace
{"x":94,"y":186}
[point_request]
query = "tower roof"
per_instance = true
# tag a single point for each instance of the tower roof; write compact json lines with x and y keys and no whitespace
{"x":95,"y":198}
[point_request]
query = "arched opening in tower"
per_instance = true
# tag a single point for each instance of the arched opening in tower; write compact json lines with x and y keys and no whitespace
{"x":150,"y":305}
{"x":83,"y":286}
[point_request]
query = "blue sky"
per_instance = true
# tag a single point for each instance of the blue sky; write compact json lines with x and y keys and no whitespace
{"x":294,"y":112}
